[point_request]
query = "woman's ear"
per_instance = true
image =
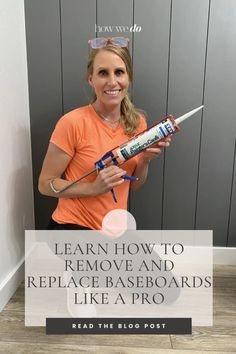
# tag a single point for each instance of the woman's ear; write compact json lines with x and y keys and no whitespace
{"x":90,"y":80}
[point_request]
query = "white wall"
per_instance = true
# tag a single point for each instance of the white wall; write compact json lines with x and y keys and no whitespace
{"x":16,"y":188}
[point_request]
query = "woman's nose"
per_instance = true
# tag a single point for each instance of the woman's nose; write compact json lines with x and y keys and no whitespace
{"x":111,"y":79}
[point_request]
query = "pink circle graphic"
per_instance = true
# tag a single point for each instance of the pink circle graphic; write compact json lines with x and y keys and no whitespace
{"x":117,"y":221}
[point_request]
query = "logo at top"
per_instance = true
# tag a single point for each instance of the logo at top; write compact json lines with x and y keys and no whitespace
{"x":120,"y":29}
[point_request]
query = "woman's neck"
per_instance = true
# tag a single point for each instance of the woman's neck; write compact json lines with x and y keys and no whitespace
{"x":107,"y":113}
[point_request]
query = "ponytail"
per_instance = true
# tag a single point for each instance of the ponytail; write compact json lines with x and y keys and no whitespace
{"x":130,"y":117}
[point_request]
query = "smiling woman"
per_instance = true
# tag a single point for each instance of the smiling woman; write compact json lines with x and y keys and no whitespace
{"x":110,"y":82}
{"x":109,"y":72}
{"x":82,"y":136}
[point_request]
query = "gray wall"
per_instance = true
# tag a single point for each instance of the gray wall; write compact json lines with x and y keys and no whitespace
{"x":184,"y":56}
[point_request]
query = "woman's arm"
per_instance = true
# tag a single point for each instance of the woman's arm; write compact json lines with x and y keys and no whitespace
{"x":54,"y":165}
{"x":145,"y":157}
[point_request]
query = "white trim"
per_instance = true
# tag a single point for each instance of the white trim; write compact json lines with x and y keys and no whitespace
{"x":224,"y":255}
{"x":11,"y":282}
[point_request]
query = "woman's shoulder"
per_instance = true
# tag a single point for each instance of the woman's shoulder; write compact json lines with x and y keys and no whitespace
{"x":72,"y":125}
{"x":76,"y":115}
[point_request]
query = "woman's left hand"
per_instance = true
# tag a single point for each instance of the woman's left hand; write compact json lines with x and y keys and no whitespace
{"x":154,"y":151}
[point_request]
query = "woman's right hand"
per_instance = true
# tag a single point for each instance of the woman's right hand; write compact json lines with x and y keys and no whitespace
{"x":107,"y":179}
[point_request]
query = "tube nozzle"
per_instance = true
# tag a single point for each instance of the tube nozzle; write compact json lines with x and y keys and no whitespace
{"x":187,"y":115}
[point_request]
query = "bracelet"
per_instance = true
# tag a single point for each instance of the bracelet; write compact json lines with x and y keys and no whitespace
{"x":52,"y":187}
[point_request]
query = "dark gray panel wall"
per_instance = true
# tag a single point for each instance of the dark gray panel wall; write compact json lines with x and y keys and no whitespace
{"x":45,"y":94}
{"x":187,"y":62}
{"x":114,"y":13}
{"x":194,"y":183}
{"x":77,"y":26}
{"x":219,"y":124}
{"x":151,"y":49}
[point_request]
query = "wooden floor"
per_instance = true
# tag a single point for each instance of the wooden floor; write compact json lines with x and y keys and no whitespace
{"x":219,"y":339}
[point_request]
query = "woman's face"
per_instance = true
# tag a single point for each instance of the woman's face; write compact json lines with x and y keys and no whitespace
{"x":109,"y":79}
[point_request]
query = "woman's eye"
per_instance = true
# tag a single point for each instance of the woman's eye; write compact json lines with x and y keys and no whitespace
{"x":119,"y":72}
{"x":102,"y":72}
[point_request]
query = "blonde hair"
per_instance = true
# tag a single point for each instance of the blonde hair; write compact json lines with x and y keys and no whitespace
{"x":130,"y":116}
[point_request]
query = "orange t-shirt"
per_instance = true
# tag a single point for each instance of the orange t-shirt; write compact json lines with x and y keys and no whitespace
{"x":85,"y":137}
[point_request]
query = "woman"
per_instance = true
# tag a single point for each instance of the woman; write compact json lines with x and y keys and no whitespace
{"x":84,"y":135}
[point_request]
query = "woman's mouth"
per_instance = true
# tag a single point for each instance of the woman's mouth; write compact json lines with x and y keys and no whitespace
{"x":112,"y":92}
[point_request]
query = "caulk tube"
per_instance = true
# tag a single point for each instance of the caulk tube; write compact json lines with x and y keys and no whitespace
{"x":149,"y":137}
{"x":142,"y":141}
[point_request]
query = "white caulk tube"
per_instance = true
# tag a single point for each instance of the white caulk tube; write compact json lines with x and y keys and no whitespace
{"x":167,"y":126}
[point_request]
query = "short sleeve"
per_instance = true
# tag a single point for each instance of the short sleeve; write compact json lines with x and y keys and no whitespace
{"x":67,"y":135}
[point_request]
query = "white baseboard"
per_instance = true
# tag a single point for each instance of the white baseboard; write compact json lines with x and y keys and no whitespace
{"x":11,"y":282}
{"x":224,"y":255}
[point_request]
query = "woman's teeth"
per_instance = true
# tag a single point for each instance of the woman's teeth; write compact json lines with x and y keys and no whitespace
{"x":112,"y":92}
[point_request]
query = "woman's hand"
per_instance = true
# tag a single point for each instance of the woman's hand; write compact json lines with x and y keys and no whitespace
{"x":154,"y":151}
{"x":107,"y":179}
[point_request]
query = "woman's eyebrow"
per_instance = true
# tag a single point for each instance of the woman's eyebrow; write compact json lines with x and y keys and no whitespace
{"x":118,"y":68}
